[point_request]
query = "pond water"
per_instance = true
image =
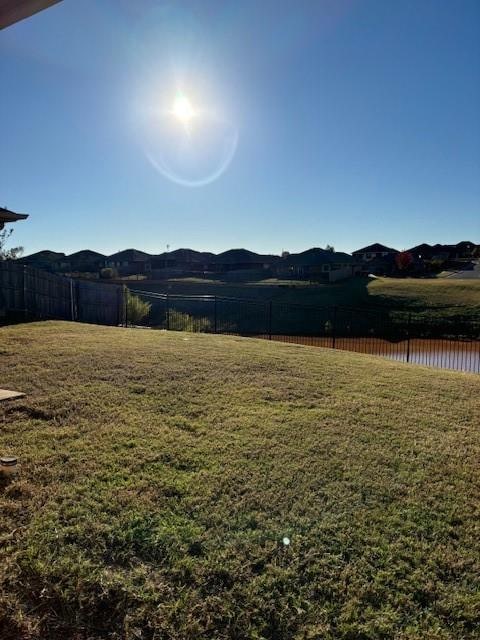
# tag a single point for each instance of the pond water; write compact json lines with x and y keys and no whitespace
{"x":444,"y":354}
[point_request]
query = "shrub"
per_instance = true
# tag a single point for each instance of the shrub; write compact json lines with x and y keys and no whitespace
{"x":179,"y":321}
{"x":137,"y":309}
{"x":107,"y":273}
{"x":437,"y":264}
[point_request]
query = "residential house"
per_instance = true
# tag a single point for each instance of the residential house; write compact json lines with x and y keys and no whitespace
{"x":85,"y":261}
{"x":184,"y":260}
{"x":421,"y":251}
{"x":242,"y":260}
{"x":373,"y":251}
{"x":46,"y":260}
{"x":129,"y":262}
{"x":464,"y":250}
{"x":318,"y":264}
{"x":376,"y":259}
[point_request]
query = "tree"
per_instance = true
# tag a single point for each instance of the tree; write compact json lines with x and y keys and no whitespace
{"x":330,"y":248}
{"x":8,"y":254}
{"x":403,"y":260}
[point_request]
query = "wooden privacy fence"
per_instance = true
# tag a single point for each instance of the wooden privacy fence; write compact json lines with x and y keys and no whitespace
{"x":28,"y":293}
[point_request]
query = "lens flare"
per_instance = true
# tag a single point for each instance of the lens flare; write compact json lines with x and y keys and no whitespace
{"x":182,"y":120}
{"x":182,"y":109}
{"x":193,"y":154}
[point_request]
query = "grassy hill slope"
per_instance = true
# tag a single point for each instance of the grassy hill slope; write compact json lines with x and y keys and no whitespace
{"x":444,"y":296}
{"x":161,"y":472}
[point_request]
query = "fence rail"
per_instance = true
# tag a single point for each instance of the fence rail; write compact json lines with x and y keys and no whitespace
{"x":454,"y":343}
{"x":451,"y":343}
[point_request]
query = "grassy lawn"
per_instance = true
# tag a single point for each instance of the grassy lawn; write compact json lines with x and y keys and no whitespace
{"x":439,"y":296}
{"x":161,"y":471}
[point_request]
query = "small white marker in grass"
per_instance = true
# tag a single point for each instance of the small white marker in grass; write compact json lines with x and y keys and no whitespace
{"x":286,"y":541}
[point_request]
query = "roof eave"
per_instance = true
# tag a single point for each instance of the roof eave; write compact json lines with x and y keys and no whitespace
{"x":12,"y":11}
{"x":10,"y":216}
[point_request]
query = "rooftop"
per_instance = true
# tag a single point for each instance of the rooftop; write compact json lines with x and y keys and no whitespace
{"x":317,"y":256}
{"x":12,"y":11}
{"x":233,"y":256}
{"x":83,"y":253}
{"x":10,"y":216}
{"x":376,"y":247}
{"x":132,"y":255}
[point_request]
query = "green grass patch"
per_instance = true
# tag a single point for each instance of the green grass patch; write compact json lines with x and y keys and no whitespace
{"x":438,"y":296}
{"x":161,"y":471}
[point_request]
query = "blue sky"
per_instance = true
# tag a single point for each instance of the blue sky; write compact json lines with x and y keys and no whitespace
{"x":337,"y":121}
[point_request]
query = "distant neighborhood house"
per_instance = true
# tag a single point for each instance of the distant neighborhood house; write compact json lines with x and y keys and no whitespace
{"x":316,"y":264}
{"x":241,"y":260}
{"x":186,"y":260}
{"x":319,"y":264}
{"x":46,"y":260}
{"x":85,"y":261}
{"x":460,"y":251}
{"x":81,"y":261}
{"x":375,"y":259}
{"x":129,"y":262}
{"x":374,"y":251}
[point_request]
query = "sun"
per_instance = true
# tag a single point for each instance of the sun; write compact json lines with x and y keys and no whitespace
{"x":182,"y":109}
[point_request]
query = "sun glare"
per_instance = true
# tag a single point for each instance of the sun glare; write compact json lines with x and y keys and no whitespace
{"x":185,"y":139}
{"x":182,"y":109}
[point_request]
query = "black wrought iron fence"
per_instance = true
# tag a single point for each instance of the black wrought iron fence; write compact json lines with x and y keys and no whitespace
{"x":27,"y":294}
{"x":441,"y":342}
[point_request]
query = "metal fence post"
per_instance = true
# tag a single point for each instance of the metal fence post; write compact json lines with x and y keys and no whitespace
{"x":215,"y":315}
{"x":119,"y":306}
{"x":167,"y":307}
{"x":79,"y":301}
{"x":334,"y":327}
{"x":408,"y":336}
{"x":125,"y":303}
{"x":270,"y":320}
{"x":72,"y":300}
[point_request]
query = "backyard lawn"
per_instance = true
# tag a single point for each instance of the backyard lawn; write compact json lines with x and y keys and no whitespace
{"x":188,"y":486}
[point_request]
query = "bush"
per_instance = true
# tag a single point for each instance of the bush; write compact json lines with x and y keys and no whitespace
{"x":179,"y":321}
{"x":437,"y":264}
{"x":137,"y":309}
{"x":107,"y":273}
